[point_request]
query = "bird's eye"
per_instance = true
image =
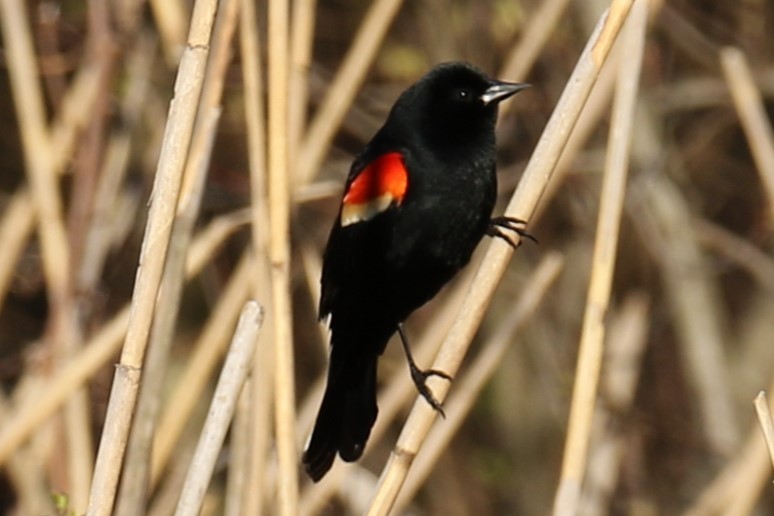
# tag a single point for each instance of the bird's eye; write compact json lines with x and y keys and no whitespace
{"x":462,"y":94}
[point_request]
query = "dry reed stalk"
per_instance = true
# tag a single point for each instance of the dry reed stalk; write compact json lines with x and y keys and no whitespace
{"x":224,"y":401}
{"x":166,"y":188}
{"x":136,"y":471}
{"x":625,"y":348}
{"x":207,"y":352}
{"x":15,"y":228}
{"x":261,"y":387}
{"x":239,"y":455}
{"x":134,"y":481}
{"x":753,"y":474}
{"x":767,"y":425}
{"x":301,"y":42}
{"x":279,"y":258}
{"x":612,"y":196}
{"x":481,"y":370}
{"x":172,"y":19}
{"x":343,"y":89}
{"x":522,"y":205}
{"x":752,"y":114}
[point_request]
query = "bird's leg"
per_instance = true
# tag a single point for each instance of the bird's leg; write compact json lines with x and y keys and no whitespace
{"x":420,"y":376}
{"x":518,"y":226}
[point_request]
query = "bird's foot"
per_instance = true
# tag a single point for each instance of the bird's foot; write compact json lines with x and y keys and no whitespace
{"x":518,"y":226}
{"x":420,"y":381}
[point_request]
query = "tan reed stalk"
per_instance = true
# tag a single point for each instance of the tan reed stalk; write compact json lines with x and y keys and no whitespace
{"x":488,"y":274}
{"x":239,"y":455}
{"x":279,"y":258}
{"x":133,"y":491}
{"x":344,"y":87}
{"x":752,"y":114}
{"x":261,"y":387}
{"x":224,"y":401}
{"x":625,"y":345}
{"x":301,"y":40}
{"x":753,"y":475}
{"x":29,"y":417}
{"x":603,"y":263}
{"x":166,"y":188}
{"x":17,"y":224}
{"x":481,"y":370}
{"x":764,"y":418}
{"x":136,"y":471}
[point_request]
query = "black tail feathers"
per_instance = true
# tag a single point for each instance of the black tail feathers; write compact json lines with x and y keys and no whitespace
{"x":346,"y":416}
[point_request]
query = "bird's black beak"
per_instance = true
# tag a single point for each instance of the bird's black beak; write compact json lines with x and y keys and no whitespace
{"x":500,"y":91}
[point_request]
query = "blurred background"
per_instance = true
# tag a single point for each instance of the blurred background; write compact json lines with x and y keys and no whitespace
{"x":691,"y":323}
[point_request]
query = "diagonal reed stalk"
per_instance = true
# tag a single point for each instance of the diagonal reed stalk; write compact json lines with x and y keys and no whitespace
{"x":167,"y":183}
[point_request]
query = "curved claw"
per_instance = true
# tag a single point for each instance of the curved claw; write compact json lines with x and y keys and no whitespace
{"x":514,"y":224}
{"x":420,"y":378}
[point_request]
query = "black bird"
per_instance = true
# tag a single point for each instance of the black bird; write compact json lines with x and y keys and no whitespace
{"x":416,"y":203}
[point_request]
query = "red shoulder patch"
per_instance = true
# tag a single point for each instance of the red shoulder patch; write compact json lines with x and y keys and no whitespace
{"x":375,"y":188}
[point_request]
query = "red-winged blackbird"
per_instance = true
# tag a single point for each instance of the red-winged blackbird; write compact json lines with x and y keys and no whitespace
{"x":417,"y":201}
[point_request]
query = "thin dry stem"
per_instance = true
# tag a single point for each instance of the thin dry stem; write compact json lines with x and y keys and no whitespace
{"x":301,"y":40}
{"x":279,"y":256}
{"x":752,"y":113}
{"x":261,"y":391}
{"x":15,"y":228}
{"x":625,"y":345}
{"x":603,"y":262}
{"x":166,"y":189}
{"x":767,"y":425}
{"x":522,"y":204}
{"x":239,"y":455}
{"x":224,"y":401}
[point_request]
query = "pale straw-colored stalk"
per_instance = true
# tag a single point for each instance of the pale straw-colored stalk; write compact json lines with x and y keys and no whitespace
{"x":603,"y":263}
{"x":224,"y":401}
